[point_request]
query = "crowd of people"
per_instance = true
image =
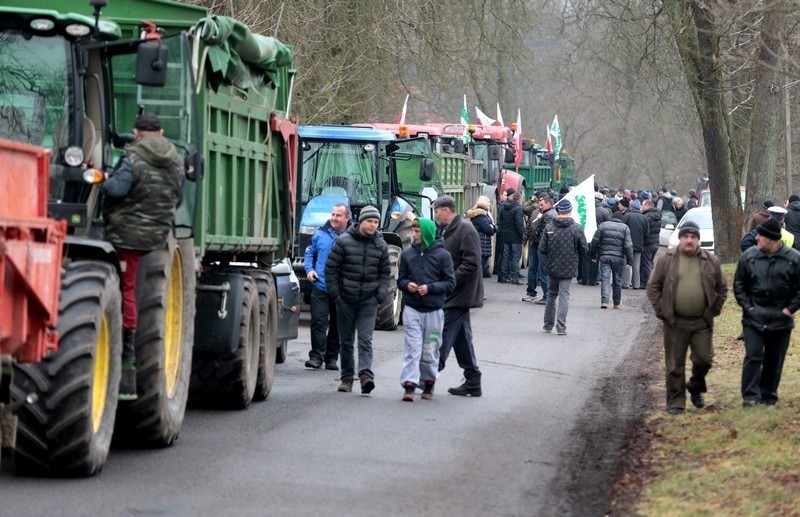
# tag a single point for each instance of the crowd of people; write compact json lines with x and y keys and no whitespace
{"x":441,"y":278}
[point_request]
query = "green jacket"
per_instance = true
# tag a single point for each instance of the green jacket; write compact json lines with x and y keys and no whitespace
{"x":142,"y":194}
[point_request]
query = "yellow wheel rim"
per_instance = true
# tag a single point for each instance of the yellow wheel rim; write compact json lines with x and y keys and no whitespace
{"x":100,"y":375}
{"x":173,"y":338}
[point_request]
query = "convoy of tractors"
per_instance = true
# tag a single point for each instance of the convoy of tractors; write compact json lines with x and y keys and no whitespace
{"x":218,"y":305}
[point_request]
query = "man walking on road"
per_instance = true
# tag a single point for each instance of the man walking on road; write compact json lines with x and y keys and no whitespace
{"x":357,"y":274}
{"x":687,"y":290}
{"x":640,"y":230}
{"x":611,"y":246}
{"x":546,"y":215}
{"x":324,"y":336}
{"x":563,"y":242}
{"x":512,"y":225}
{"x":651,"y":244}
{"x":767,"y":286}
{"x":461,"y":240}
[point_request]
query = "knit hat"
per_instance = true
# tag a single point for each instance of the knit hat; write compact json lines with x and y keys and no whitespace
{"x":689,"y":227}
{"x":564,"y":206}
{"x":768,"y":204}
{"x":511,"y":191}
{"x":793,"y":198}
{"x":771,"y":229}
{"x":636,"y":205}
{"x":776,"y":212}
{"x":445,"y":202}
{"x":611,"y":202}
{"x":625,"y":202}
{"x":147,"y":122}
{"x":369,"y":212}
{"x":598,"y":196}
{"x":646,"y":194}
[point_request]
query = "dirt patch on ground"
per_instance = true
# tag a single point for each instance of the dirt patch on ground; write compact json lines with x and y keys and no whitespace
{"x":603,"y":471}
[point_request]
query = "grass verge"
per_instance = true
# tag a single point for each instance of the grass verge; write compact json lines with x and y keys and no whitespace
{"x":725,"y":459}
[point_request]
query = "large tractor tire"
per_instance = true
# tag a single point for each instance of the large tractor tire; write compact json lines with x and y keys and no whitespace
{"x":229,"y":380}
{"x":390,"y":310}
{"x":165,"y":291}
{"x":67,"y":430}
{"x":268,"y":333}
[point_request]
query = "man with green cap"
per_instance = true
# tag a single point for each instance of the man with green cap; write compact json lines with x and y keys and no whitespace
{"x":425,"y":277}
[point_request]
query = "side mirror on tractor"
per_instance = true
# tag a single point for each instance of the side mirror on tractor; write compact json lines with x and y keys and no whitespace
{"x":494,"y":152}
{"x":151,"y":64}
{"x":426,"y":169}
{"x":509,"y":156}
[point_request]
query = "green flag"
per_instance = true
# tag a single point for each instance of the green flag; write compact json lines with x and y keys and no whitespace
{"x":555,"y":133}
{"x":465,"y":121}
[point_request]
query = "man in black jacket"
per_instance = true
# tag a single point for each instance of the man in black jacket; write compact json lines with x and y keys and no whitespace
{"x":651,"y":244}
{"x":640,"y":229}
{"x":792,"y":218}
{"x":767,"y":286}
{"x":461,"y":240}
{"x":512,"y":225}
{"x":357,"y":276}
{"x":611,"y":246}
{"x":563,"y":242}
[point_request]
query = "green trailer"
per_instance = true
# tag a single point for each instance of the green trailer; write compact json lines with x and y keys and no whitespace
{"x":74,"y":83}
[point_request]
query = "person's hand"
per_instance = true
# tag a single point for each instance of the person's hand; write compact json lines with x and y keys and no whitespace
{"x":412,"y":287}
{"x":628,"y":266}
{"x":422,"y":290}
{"x":312,"y":276}
{"x":787,"y":312}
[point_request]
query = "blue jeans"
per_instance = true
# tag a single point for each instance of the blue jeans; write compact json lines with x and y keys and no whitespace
{"x":611,"y":267}
{"x":533,"y":271}
{"x":353,"y":317}
{"x":541,"y":273}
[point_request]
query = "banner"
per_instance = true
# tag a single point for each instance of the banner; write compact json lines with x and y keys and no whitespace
{"x":484,"y":119}
{"x":583,"y":210}
{"x":518,"y":141}
{"x":555,"y":132}
{"x":402,"y":118}
{"x":465,"y":122}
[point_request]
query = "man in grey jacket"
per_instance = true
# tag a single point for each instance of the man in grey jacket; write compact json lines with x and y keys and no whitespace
{"x":461,"y":240}
{"x":357,"y":276}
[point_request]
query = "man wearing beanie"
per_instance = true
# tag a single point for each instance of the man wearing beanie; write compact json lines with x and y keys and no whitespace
{"x":687,"y":290}
{"x":767,"y":286}
{"x":357,"y":275}
{"x":640,"y":230}
{"x":563,"y":242}
{"x":461,"y":240}
{"x":512,"y":225}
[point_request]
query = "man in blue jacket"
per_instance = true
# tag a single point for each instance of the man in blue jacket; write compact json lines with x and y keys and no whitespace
{"x":324,"y":331}
{"x":425,"y":277}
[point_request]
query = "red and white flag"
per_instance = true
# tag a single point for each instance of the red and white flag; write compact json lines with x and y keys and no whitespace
{"x":500,"y":116}
{"x":518,"y":141}
{"x":549,"y":145}
{"x":485,"y":119}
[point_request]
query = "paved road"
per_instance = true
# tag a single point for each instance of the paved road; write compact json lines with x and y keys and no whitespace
{"x":309,"y":450}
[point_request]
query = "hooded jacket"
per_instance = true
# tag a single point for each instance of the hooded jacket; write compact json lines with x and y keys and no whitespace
{"x":563,"y":241}
{"x":482,"y":222}
{"x":428,"y":264}
{"x":358,"y":267}
{"x":512,"y":223}
{"x":461,"y":240}
{"x":142,"y":194}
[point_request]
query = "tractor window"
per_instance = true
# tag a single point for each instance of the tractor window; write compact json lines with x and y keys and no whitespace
{"x":33,"y":89}
{"x":340,"y":169}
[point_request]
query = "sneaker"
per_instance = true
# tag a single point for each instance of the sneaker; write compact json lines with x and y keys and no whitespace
{"x":675,"y":411}
{"x":346,"y":386}
{"x":331,"y":365}
{"x":427,"y":393}
{"x":541,"y":301}
{"x":516,"y":282}
{"x":751,"y":403}
{"x":127,"y":382}
{"x":548,"y":330}
{"x":529,"y":298}
{"x":313,"y":363}
{"x":408,"y":396}
{"x":562,"y":332}
{"x":367,"y":384}
{"x":617,"y":305}
{"x":604,"y":305}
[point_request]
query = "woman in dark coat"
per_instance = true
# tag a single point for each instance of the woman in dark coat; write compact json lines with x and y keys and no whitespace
{"x":483,"y":222}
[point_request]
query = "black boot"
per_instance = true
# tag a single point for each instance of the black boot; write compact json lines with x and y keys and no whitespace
{"x":471,"y":386}
{"x":127,"y":382}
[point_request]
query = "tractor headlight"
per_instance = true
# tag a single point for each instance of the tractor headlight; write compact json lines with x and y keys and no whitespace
{"x":308,"y":230}
{"x":73,"y":156}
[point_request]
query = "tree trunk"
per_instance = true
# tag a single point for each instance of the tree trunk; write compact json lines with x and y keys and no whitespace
{"x":766,"y":117}
{"x":697,"y":40}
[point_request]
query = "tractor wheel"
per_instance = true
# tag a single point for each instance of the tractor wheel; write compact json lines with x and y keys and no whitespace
{"x":229,"y":380}
{"x":392,"y":307}
{"x":165,"y":291}
{"x":283,"y":351}
{"x":268,"y":332}
{"x":67,"y":430}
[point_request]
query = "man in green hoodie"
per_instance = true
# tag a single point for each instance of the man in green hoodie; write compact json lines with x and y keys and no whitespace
{"x":425,"y":277}
{"x":140,"y":201}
